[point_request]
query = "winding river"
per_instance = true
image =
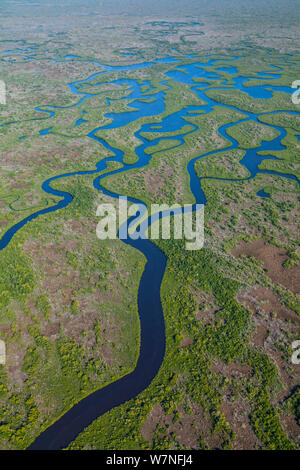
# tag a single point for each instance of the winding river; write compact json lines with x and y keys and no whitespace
{"x":152,"y":346}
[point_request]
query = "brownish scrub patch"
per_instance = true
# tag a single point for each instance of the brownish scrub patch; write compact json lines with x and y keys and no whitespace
{"x":188,"y":429}
{"x":237,"y":416}
{"x":291,"y":427}
{"x":207,"y":307}
{"x":73,"y":327}
{"x":80,"y":227}
{"x":260,"y":335}
{"x":186,"y":341}
{"x":51,"y":330}
{"x":231,"y":370}
{"x":62,"y":281}
{"x":273,"y":258}
{"x":273,"y":325}
{"x":207,"y":315}
{"x":15,"y":350}
{"x":49,"y":154}
{"x":262,"y":300}
{"x":155,"y":181}
{"x":19,"y":185}
{"x":14,"y":362}
{"x":63,"y":284}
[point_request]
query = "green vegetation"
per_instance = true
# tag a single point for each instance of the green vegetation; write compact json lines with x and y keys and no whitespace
{"x":292,"y":404}
{"x":222,"y":165}
{"x":68,"y":302}
{"x":186,"y":377}
{"x":75,"y":335}
{"x":249,"y":134}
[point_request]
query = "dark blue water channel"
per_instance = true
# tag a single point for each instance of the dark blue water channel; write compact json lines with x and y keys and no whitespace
{"x":152,"y":329}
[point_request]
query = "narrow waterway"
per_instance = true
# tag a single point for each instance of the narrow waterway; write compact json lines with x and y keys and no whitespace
{"x":152,"y":345}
